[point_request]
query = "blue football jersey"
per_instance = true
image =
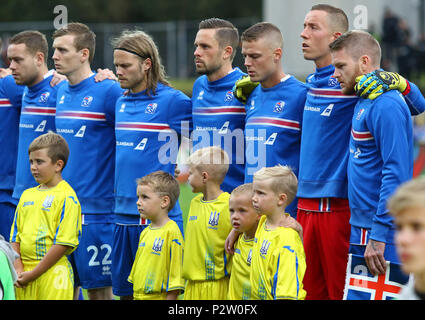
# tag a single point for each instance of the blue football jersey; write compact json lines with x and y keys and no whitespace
{"x":148,"y":130}
{"x":10,"y":109}
{"x":85,"y":117}
{"x":219,"y":119}
{"x":273,"y":128}
{"x":37,"y":117}
{"x":380,"y":159}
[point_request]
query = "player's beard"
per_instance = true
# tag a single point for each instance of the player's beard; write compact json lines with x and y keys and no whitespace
{"x":207,"y":69}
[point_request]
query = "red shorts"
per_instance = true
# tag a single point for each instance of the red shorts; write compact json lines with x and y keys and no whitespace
{"x":326,"y":238}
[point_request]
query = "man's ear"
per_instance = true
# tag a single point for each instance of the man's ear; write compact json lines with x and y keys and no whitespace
{"x":228,"y":51}
{"x":85,"y":54}
{"x":364,"y":64}
{"x":277,"y":54}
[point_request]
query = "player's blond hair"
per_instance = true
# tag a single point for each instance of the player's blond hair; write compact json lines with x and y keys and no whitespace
{"x":163,"y":184}
{"x":212,"y":160}
{"x":142,"y":45}
{"x":56,"y":145}
{"x":410,"y":194}
{"x":281,"y":180}
{"x":242,"y":190}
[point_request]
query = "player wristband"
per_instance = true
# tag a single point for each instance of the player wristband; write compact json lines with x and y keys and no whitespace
{"x":407,"y":90}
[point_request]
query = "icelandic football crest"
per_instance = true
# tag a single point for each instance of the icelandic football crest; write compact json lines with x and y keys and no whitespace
{"x":229,"y":96}
{"x":151,"y":108}
{"x":360,"y":284}
{"x":157,"y":244}
{"x":333,"y":82}
{"x":44,"y":97}
{"x":47,"y":203}
{"x":278,"y":108}
{"x":214,"y":217}
{"x":86,"y":101}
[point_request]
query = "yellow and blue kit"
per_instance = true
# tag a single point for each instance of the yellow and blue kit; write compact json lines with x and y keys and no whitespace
{"x":278,"y":264}
{"x":157,"y":268}
{"x":45,"y":217}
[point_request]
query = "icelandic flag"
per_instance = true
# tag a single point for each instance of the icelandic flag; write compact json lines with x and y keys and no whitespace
{"x":360,"y":284}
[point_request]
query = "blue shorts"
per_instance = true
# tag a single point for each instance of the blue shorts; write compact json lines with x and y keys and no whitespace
{"x":92,"y":260}
{"x":7,"y":213}
{"x":126,"y":240}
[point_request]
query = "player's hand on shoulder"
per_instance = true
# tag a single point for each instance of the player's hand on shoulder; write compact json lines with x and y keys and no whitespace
{"x":103,"y":74}
{"x":243,"y":88}
{"x":57,"y":78}
{"x":289,"y":222}
{"x":373,"y":84}
{"x":4,"y":72}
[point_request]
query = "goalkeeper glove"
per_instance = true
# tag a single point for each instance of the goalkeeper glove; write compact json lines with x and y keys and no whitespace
{"x":372,"y":85}
{"x":243,"y":88}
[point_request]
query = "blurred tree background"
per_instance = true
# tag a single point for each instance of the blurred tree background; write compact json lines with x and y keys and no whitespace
{"x":129,"y":11}
{"x":172,"y":24}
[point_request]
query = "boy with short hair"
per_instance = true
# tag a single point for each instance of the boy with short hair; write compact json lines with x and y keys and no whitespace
{"x":157,"y":269}
{"x":407,"y":206}
{"x":205,"y":264}
{"x":278,"y":259}
{"x":47,"y":225}
{"x":244,"y":219}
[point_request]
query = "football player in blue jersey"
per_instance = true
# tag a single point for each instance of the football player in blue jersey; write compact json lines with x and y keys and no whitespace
{"x":381,"y":152}
{"x":85,"y":116}
{"x":150,"y":121}
{"x":28,"y":52}
{"x":215,"y":110}
{"x":274,"y":109}
{"x":10,"y":102}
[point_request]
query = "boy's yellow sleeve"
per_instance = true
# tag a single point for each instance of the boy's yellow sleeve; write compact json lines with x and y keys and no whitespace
{"x":68,"y":232}
{"x":175,"y":281}
{"x":290,"y":269}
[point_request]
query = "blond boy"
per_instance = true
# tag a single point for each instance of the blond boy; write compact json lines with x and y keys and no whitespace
{"x":407,"y":206}
{"x":206,"y":266}
{"x":278,"y":258}
{"x":157,"y":269}
{"x":47,"y":225}
{"x":244,"y":219}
